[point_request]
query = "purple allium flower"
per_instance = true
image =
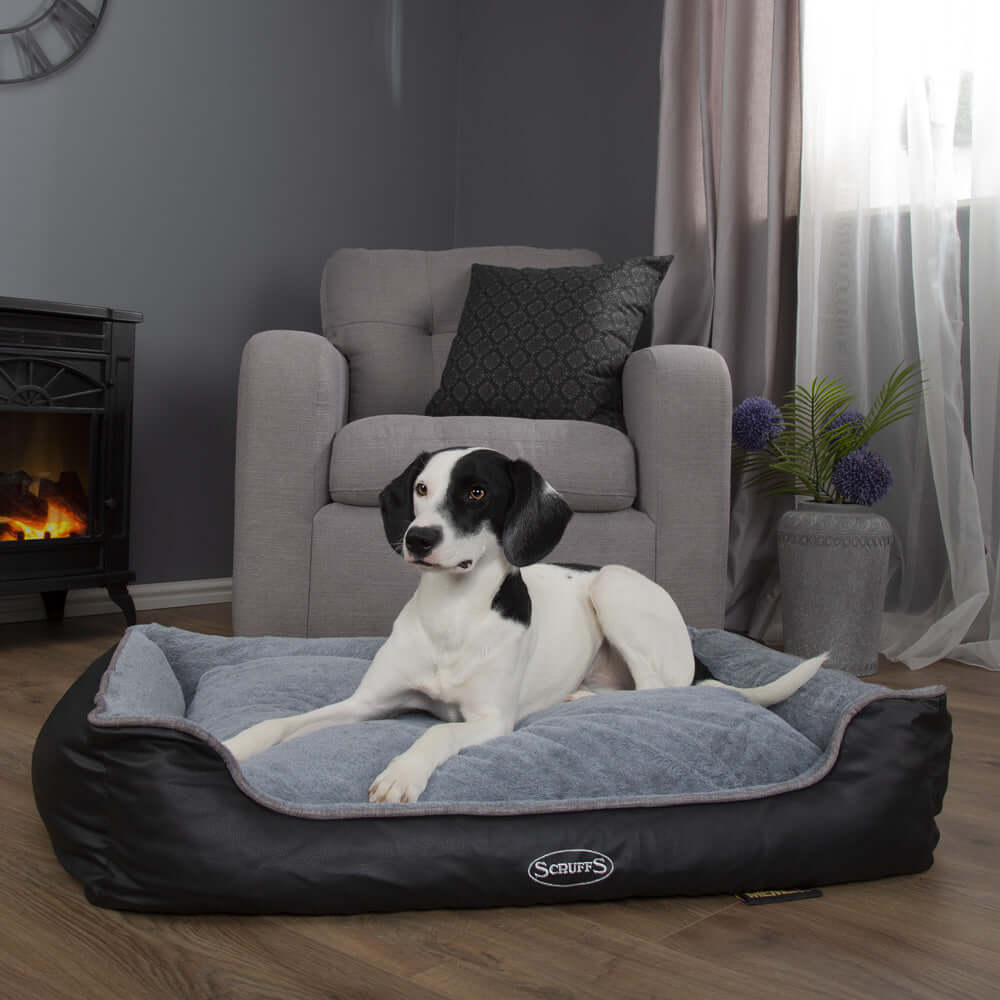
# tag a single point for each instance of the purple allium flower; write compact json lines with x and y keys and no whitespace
{"x":755,"y":422}
{"x":862,"y":477}
{"x":849,"y":418}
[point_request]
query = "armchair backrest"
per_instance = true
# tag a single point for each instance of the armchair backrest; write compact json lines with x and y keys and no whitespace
{"x":394,"y":314}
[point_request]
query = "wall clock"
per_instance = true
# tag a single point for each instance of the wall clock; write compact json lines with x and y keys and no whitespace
{"x":38,"y":37}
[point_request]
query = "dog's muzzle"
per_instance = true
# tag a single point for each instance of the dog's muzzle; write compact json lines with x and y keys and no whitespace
{"x":420,"y":541}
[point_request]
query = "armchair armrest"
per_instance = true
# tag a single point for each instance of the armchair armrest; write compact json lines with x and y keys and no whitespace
{"x":293,"y":396}
{"x":678,"y":411}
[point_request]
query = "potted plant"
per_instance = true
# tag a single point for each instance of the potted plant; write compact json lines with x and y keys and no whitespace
{"x":833,"y":550}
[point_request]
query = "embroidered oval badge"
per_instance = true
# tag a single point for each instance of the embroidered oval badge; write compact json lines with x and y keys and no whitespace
{"x":565,"y":868}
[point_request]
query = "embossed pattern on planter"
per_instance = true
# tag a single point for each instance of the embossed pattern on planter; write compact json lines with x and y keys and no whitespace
{"x":854,"y":530}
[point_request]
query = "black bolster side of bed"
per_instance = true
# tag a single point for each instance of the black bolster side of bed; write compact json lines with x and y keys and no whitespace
{"x":67,"y":775}
{"x":150,"y":819}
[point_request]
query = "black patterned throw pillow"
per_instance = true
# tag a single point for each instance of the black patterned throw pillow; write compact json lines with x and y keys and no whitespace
{"x":547,"y":343}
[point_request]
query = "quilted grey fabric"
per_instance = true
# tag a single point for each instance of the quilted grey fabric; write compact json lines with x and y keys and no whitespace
{"x":649,"y":747}
{"x":592,"y":466}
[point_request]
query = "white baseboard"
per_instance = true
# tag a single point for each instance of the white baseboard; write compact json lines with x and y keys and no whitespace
{"x":147,"y":597}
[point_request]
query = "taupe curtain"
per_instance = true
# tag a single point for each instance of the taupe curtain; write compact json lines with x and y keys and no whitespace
{"x":726,"y":203}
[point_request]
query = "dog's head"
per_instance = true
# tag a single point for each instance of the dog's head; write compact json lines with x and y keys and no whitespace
{"x":447,"y":510}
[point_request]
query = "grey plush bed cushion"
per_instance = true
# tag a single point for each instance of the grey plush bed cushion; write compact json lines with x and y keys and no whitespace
{"x":622,"y":748}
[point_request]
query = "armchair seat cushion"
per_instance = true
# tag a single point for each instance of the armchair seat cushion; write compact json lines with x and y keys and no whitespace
{"x":591,"y":465}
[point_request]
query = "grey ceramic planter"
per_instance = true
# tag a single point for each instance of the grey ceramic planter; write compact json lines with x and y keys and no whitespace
{"x":834,"y":566}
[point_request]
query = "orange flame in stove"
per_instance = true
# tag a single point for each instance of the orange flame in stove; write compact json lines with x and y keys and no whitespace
{"x":61,"y":523}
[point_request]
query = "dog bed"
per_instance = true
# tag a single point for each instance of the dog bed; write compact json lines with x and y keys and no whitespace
{"x":672,"y":792}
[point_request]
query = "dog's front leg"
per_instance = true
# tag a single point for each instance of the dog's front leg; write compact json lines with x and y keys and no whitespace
{"x":407,"y":775}
{"x":270,"y":732}
{"x":386,"y":689}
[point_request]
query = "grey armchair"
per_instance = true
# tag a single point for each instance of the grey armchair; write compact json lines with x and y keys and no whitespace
{"x":324,"y":422}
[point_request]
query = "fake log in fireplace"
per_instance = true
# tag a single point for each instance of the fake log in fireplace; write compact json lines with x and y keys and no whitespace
{"x":65,"y":450}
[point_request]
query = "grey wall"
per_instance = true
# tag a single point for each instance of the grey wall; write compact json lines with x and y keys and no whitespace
{"x":201,"y":160}
{"x":199,"y":163}
{"x":557,"y":131}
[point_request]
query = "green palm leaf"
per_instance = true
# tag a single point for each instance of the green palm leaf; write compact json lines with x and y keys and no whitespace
{"x":898,"y":398}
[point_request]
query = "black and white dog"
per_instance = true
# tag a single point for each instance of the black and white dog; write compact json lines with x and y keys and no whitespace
{"x":492,"y":633}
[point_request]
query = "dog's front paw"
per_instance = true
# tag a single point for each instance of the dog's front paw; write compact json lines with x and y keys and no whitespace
{"x":402,"y":781}
{"x":256,"y":739}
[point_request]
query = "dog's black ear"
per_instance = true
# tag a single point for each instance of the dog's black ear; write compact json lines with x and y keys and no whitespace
{"x":396,"y":501}
{"x":536,"y":518}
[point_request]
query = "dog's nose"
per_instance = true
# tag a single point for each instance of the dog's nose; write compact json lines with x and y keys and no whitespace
{"x":419,"y":541}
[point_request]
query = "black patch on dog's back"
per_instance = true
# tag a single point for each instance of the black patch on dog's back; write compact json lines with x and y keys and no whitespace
{"x":578,"y":567}
{"x":512,"y":600}
{"x":701,"y":672}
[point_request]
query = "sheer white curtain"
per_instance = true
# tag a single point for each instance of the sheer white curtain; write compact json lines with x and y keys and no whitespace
{"x":901,"y":114}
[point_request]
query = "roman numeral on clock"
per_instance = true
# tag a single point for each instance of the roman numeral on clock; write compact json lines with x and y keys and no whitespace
{"x":34,"y":62}
{"x":75,"y":22}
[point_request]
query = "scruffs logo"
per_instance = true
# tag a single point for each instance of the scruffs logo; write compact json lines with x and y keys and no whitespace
{"x":565,"y":868}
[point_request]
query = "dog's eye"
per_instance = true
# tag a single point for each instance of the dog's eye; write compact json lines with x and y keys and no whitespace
{"x":421,"y":489}
{"x":476,"y":494}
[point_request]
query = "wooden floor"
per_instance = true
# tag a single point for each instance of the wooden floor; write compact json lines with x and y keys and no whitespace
{"x":933,"y":935}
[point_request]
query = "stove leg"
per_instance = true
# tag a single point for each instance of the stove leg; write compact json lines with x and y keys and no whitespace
{"x":120,"y":595}
{"x":55,"y":604}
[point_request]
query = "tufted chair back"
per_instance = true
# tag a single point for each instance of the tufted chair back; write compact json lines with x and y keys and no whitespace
{"x":394,"y":314}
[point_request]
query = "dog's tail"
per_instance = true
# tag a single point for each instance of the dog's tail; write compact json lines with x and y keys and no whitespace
{"x":780,"y":689}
